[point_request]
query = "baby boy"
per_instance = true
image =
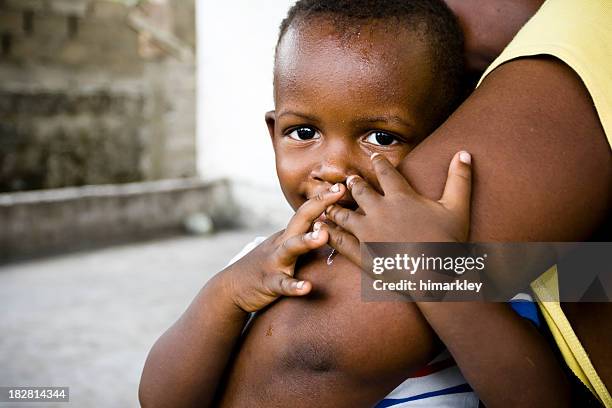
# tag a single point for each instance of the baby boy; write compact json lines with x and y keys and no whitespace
{"x":353,"y":79}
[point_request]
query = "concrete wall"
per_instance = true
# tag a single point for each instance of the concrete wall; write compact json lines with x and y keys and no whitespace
{"x":37,"y":223}
{"x":94,"y":92}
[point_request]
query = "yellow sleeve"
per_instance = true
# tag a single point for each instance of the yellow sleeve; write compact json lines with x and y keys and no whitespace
{"x":580,"y":34}
{"x":574,"y":354}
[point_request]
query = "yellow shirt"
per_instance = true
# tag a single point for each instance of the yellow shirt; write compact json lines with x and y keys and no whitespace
{"x":578,"y":32}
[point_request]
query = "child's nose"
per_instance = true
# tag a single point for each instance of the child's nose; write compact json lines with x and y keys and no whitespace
{"x":335,"y":166}
{"x":330,"y":173}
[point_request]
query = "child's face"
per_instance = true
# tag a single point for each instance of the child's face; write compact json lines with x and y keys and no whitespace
{"x":340,"y":99}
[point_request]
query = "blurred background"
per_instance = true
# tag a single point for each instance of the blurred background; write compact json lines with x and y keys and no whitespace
{"x":134,"y":163}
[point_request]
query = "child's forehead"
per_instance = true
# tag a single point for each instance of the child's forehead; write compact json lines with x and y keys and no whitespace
{"x":383,"y":40}
{"x":379,"y":73}
{"x":388,"y":57}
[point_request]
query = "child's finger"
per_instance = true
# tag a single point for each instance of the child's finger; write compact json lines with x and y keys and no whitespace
{"x":313,"y":208}
{"x":365,"y":196}
{"x":345,"y":218}
{"x":281,"y":284}
{"x":458,"y":188}
{"x":389,"y":178}
{"x":343,"y":242}
{"x":300,"y":244}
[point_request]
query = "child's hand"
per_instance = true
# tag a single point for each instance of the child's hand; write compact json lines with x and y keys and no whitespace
{"x":266,"y":273}
{"x":401,"y":214}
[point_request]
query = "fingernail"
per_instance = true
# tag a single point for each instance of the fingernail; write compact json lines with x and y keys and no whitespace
{"x":300,"y":284}
{"x":316,"y":226}
{"x":465,"y":157}
{"x":314,"y":234}
{"x":294,"y":285}
{"x":335,"y":188}
{"x":374,"y":155}
{"x":350,"y":180}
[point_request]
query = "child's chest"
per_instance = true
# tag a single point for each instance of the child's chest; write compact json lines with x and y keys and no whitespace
{"x":332,"y":329}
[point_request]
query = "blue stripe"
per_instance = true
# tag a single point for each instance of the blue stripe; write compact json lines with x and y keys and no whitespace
{"x":389,"y":402}
{"x":527,"y":310}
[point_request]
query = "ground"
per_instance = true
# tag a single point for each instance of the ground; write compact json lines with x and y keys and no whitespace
{"x":88,"y":320}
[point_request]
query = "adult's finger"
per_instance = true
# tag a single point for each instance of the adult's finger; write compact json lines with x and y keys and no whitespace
{"x":458,"y":188}
{"x":344,"y":242}
{"x":345,"y":218}
{"x":365,"y":196}
{"x":313,"y":208}
{"x":300,"y":244}
{"x":389,"y":178}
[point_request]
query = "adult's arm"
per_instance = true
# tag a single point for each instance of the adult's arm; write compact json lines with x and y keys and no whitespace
{"x":542,"y":165}
{"x":543,"y":172}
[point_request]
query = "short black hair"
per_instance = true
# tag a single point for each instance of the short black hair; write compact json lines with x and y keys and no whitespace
{"x":431,"y":19}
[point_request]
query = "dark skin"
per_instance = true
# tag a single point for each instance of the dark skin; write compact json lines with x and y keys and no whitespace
{"x":543,"y":164}
{"x":555,"y":186}
{"x":488,"y":26}
{"x":513,"y":116}
{"x":545,"y":198}
{"x":335,"y":370}
{"x":517,"y":134}
{"x":319,"y":350}
{"x":333,"y":102}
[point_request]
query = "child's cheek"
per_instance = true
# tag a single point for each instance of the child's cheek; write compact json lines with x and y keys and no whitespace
{"x":291,"y":168}
{"x":292,"y":176}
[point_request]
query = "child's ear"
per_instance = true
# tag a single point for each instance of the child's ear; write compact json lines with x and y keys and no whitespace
{"x":270,"y":121}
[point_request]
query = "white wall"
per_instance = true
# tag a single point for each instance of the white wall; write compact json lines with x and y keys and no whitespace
{"x":236,"y":41}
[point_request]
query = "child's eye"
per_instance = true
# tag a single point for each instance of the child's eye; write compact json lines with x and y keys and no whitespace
{"x":304,"y":133}
{"x":381,"y":139}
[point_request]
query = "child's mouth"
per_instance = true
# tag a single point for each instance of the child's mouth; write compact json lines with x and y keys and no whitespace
{"x":346,"y":201}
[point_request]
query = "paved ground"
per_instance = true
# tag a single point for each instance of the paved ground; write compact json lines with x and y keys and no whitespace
{"x":87,"y":320}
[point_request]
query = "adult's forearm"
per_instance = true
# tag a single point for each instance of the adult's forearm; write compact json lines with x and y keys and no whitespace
{"x":185,"y":366}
